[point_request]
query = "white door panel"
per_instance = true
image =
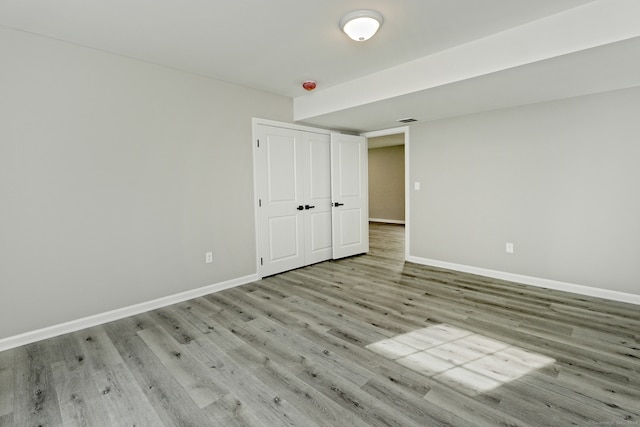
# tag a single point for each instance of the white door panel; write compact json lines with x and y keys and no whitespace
{"x":294,"y":188}
{"x":283,"y":238}
{"x":318,"y":237}
{"x":349,"y":169}
{"x":319,"y":164}
{"x":282,"y":173}
{"x":320,"y":245}
{"x":280,"y":185}
{"x":349,"y":179}
{"x":350,"y":230}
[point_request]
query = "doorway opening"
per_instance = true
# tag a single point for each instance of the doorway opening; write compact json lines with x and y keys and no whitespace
{"x":389,"y":178}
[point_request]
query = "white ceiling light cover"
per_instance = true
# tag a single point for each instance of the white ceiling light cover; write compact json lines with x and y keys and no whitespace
{"x":361,"y":25}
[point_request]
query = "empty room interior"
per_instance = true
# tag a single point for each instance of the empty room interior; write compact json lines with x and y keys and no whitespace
{"x":320,"y":213}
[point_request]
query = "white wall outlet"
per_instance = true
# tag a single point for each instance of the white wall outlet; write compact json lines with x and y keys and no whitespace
{"x":208,"y":257}
{"x":509,"y":248}
{"x":416,"y":185}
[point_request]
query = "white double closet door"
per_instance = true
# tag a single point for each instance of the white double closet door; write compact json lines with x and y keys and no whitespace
{"x":298,"y":188}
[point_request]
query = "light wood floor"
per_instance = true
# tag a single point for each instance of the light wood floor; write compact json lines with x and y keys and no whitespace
{"x":322,"y":345}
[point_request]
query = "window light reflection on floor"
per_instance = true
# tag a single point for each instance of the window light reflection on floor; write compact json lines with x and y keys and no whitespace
{"x":461,"y":358}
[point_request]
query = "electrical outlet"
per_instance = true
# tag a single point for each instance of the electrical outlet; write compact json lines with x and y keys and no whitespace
{"x":208,"y":257}
{"x":509,"y":248}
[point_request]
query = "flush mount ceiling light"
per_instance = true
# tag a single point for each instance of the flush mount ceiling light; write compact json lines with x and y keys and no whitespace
{"x":361,"y":25}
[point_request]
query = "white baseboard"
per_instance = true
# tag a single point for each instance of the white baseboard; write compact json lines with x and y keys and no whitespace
{"x":533,"y":281}
{"x":110,"y":316}
{"x":388,"y":221}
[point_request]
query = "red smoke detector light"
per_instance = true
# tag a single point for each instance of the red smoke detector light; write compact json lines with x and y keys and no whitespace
{"x":309,"y":85}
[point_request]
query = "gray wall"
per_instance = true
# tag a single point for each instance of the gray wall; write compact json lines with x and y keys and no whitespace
{"x":115,"y":177}
{"x":386,"y":182}
{"x":561,"y":180}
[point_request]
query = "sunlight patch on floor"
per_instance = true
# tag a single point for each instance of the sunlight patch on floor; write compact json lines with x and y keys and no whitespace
{"x":461,"y":358}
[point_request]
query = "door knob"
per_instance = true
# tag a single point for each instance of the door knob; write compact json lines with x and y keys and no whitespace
{"x":300,"y":208}
{"x":336,"y":204}
{"x":308,"y":207}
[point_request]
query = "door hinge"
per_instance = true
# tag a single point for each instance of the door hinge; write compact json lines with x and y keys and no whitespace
{"x":261,"y":262}
{"x":259,"y":203}
{"x":258,"y":143}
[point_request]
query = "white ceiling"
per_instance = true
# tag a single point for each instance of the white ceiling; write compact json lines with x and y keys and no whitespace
{"x":609,"y":67}
{"x":274,"y":45}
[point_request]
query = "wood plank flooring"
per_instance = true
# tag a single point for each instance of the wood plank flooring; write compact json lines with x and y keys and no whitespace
{"x":297,"y":349}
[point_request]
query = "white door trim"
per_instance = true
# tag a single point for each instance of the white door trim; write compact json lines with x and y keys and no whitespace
{"x":257,"y":121}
